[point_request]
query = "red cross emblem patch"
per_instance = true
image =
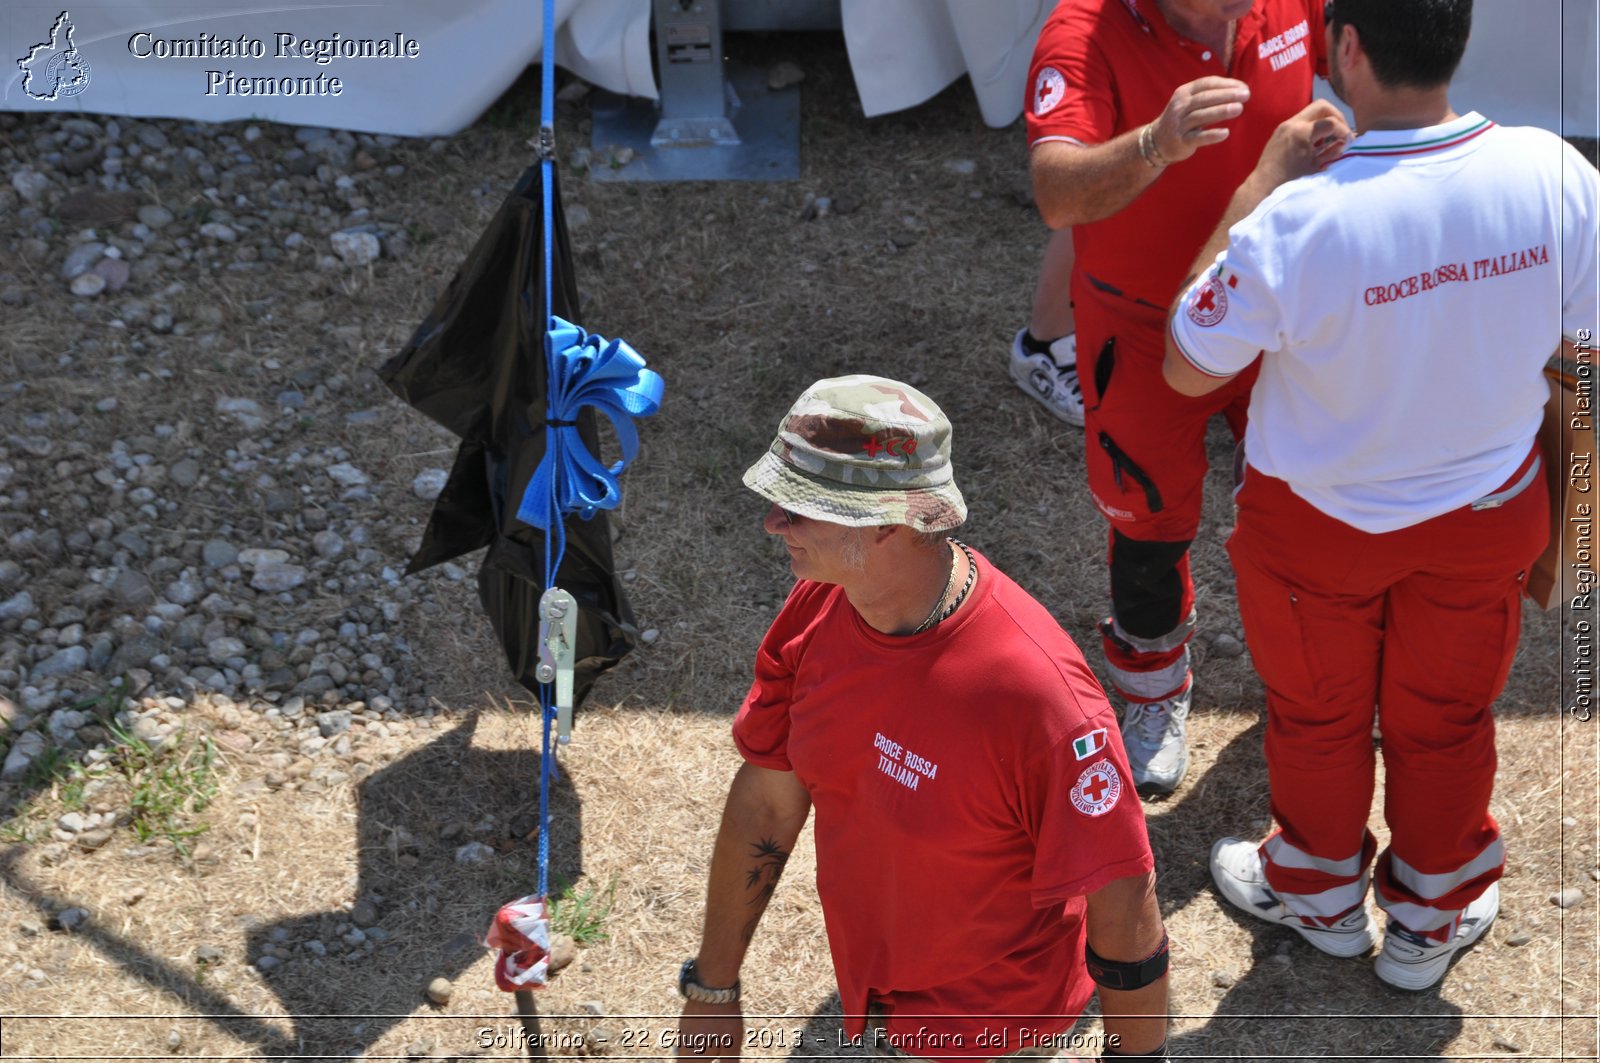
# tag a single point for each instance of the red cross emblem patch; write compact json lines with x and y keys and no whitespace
{"x":1209,"y":303}
{"x":1048,"y":88}
{"x":1097,"y":789}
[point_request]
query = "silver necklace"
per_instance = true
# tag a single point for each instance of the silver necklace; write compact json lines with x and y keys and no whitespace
{"x":929,"y":620}
{"x":935,"y":616}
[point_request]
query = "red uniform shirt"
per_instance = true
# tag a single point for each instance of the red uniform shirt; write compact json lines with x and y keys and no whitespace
{"x":1103,"y":67}
{"x":970,"y":786}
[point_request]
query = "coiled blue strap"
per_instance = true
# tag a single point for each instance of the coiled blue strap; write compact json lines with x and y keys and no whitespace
{"x":586,"y":370}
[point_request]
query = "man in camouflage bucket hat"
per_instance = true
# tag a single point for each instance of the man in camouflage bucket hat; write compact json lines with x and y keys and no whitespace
{"x":982,"y":860}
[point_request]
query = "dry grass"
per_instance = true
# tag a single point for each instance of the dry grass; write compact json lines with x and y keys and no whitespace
{"x":739,"y":304}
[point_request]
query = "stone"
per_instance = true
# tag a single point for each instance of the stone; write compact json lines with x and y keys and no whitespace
{"x":219,"y":553}
{"x":114,"y":271}
{"x":238,"y":406}
{"x":22,"y":754}
{"x":1567,"y":898}
{"x":62,"y":662}
{"x":80,"y":259}
{"x":1518,"y":938}
{"x":474,"y":853}
{"x":333,"y":723}
{"x":69,"y":919}
{"x":185,"y":472}
{"x":17,"y":607}
{"x":268,"y":964}
{"x":31,"y":185}
{"x":327,"y":544}
{"x":218,"y":231}
{"x":88,"y":285}
{"x":439,"y":990}
{"x":276,"y":578}
{"x":219,"y":650}
{"x":356,"y":248}
{"x":255,"y":557}
{"x":155,"y":217}
{"x":347,"y":475}
{"x":135,"y":652}
{"x":132,"y":589}
{"x":184,"y":591}
{"x":94,"y":839}
{"x":563,"y":950}
{"x":429,"y":484}
{"x":1225,"y":645}
{"x":364,"y":913}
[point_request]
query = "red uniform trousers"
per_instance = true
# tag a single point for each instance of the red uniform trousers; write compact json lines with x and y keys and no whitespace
{"x":1145,"y":448}
{"x":1421,"y":622}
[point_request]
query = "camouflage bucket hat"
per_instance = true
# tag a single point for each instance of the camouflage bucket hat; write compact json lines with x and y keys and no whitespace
{"x":863,"y":451}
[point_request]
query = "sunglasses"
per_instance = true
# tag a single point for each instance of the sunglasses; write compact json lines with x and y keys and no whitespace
{"x":790,"y":516}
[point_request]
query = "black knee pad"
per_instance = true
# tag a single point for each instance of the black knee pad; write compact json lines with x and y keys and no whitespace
{"x":1146,"y":591}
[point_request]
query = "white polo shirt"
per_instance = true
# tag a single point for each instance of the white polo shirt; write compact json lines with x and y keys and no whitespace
{"x":1405,"y":301}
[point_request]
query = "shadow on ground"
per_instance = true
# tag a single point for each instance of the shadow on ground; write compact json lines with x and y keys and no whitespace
{"x":427,"y":914}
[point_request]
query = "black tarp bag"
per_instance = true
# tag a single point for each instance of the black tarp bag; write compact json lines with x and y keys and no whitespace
{"x":476,"y":365}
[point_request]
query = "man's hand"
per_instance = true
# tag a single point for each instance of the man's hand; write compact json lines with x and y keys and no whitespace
{"x":1186,"y":125}
{"x":1302,"y":145}
{"x":710,"y":1031}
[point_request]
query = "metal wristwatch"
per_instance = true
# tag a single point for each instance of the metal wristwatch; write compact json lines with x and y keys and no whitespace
{"x":690,"y":988}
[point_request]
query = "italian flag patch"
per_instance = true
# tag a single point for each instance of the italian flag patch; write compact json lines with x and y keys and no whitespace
{"x":1088,"y":745}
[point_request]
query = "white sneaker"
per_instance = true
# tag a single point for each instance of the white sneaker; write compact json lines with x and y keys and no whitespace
{"x":1237,"y":870}
{"x":1411,"y":961}
{"x":1054,"y":385}
{"x":1156,"y":738}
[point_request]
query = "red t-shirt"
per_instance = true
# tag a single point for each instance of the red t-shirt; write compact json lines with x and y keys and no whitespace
{"x":1103,"y":67}
{"x":970,"y":787}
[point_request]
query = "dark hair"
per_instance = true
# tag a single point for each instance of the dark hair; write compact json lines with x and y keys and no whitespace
{"x":1414,"y":43}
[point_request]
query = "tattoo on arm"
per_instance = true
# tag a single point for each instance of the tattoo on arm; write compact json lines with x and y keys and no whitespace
{"x":763,"y":878}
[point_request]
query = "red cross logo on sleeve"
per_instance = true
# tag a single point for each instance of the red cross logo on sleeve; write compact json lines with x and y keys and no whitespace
{"x":1048,"y":89}
{"x":1097,"y":789}
{"x":1209,"y":305}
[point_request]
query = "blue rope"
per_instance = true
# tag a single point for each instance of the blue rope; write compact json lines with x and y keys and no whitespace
{"x":547,"y":122}
{"x":581,"y":370}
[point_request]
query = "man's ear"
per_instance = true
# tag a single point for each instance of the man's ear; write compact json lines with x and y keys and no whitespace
{"x":1347,"y":49}
{"x":883,"y":532}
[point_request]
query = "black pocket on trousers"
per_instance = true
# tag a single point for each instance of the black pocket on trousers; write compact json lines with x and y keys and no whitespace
{"x":1122,"y":465}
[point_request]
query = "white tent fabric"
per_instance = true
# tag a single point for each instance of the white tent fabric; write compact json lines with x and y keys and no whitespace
{"x":1531,"y":62}
{"x":468,"y":53}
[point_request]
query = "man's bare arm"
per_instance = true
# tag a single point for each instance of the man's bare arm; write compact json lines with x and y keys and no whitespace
{"x":1074,"y":184}
{"x":1124,"y":925}
{"x":763,"y":816}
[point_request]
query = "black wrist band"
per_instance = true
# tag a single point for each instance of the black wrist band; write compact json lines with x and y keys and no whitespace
{"x":1114,"y":975}
{"x":1158,"y":1055}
